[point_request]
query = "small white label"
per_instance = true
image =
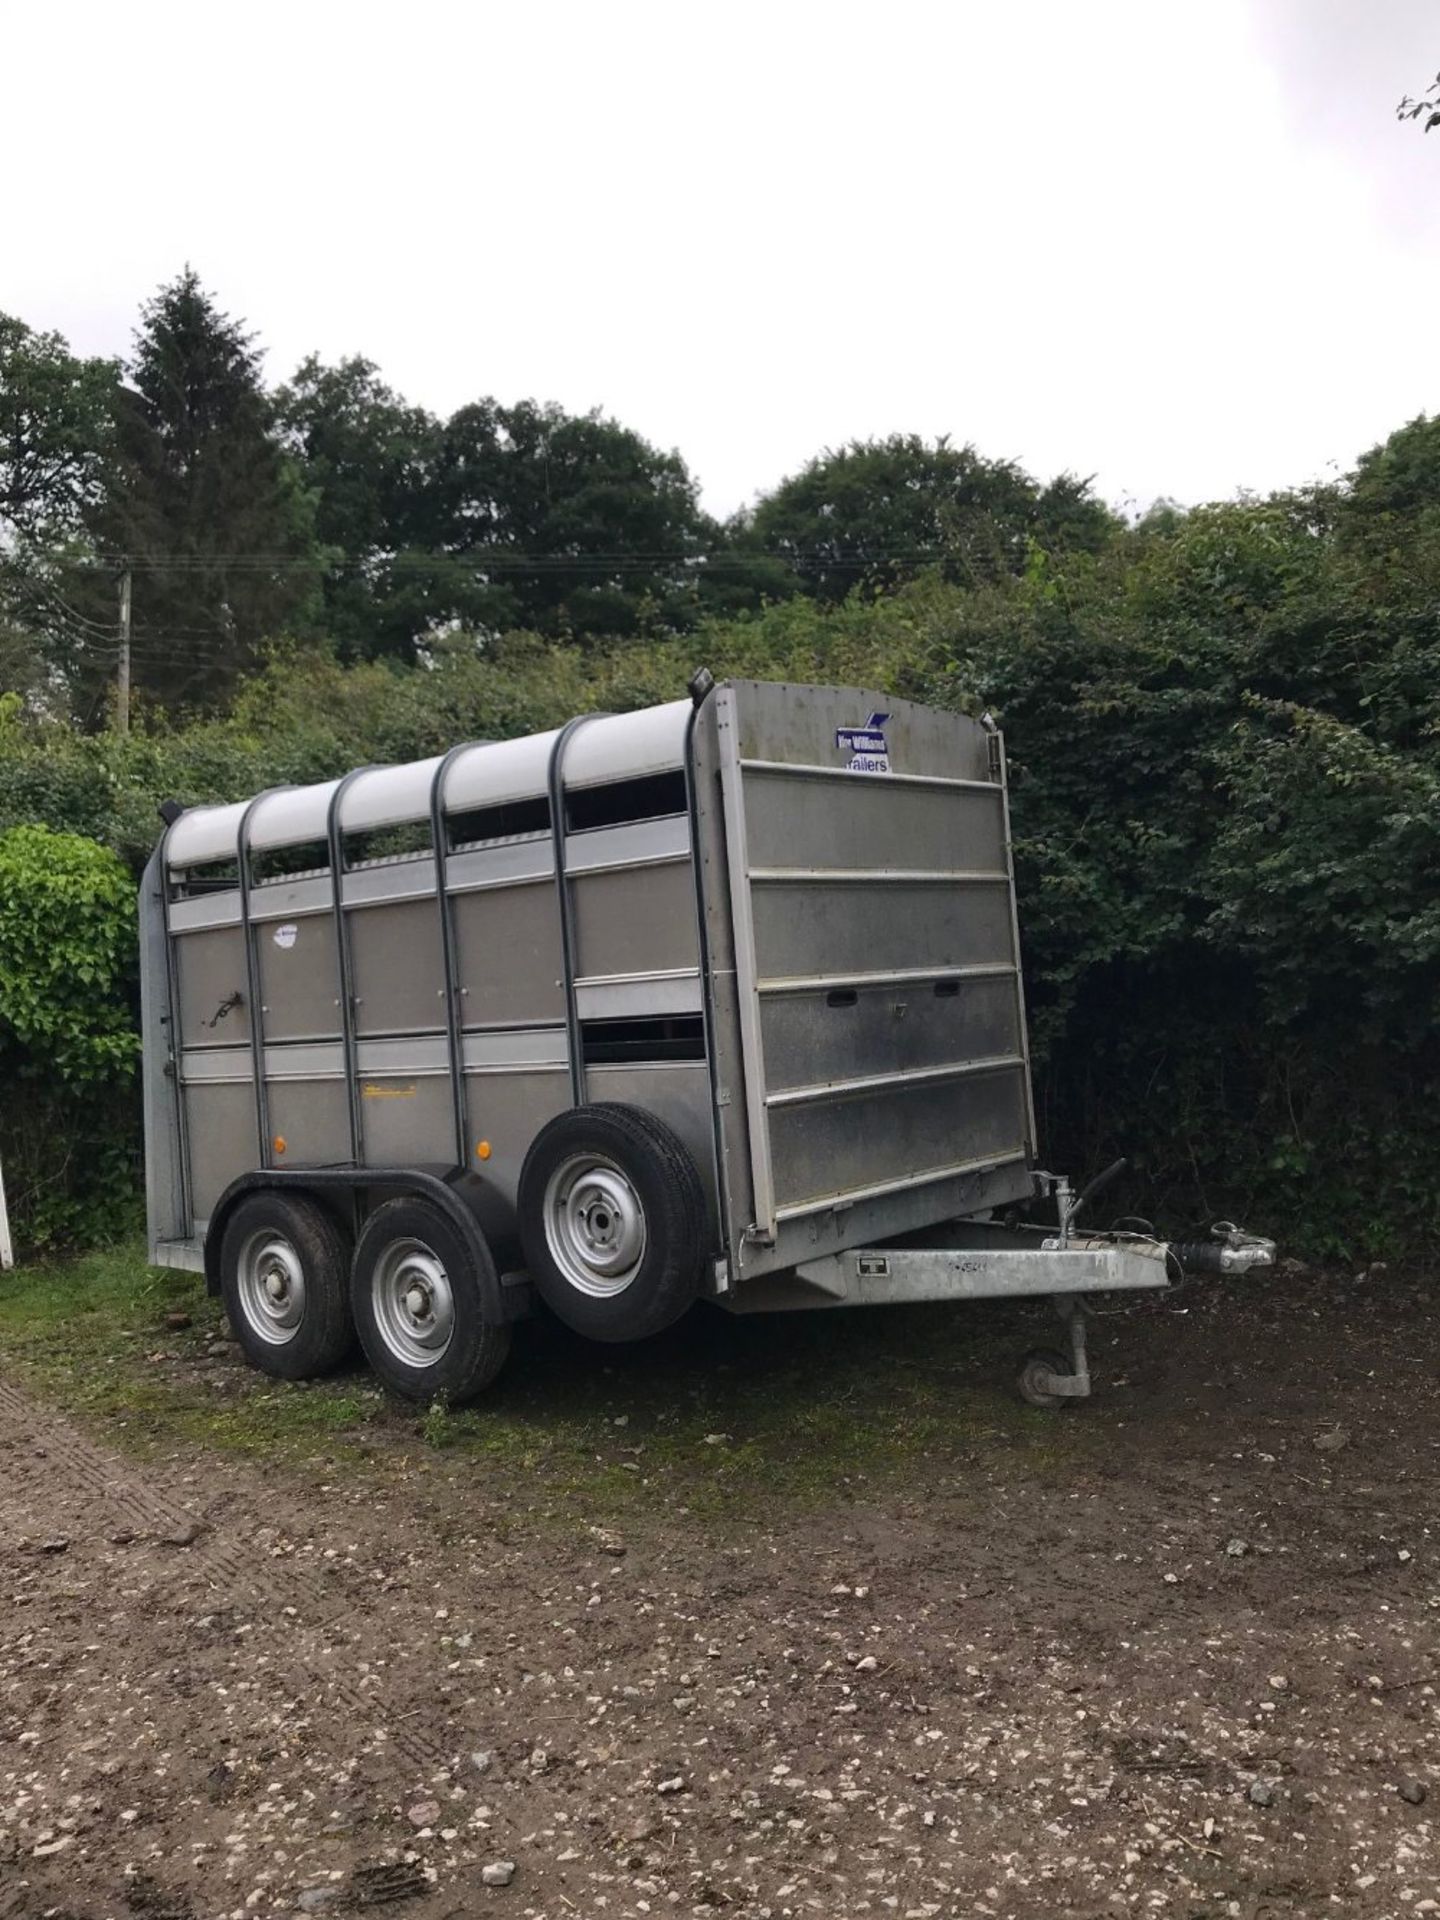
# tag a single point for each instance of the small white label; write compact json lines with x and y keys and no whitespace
{"x":287,"y":935}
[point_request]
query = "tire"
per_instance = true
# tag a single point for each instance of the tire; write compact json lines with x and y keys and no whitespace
{"x":1037,"y":1366}
{"x":283,"y":1269}
{"x":420,"y":1295}
{"x":612,"y":1216}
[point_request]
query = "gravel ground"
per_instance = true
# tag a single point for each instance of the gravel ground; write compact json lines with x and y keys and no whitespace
{"x":1180,"y":1661}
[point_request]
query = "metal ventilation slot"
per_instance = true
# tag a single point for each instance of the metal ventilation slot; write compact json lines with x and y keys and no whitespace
{"x":610,"y":1043}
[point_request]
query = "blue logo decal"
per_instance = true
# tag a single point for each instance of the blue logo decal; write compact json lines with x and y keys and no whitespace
{"x":868,"y":749}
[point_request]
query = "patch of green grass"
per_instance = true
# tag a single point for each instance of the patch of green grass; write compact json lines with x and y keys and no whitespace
{"x":93,"y":1335}
{"x":80,"y":1321}
{"x":724,"y":1416}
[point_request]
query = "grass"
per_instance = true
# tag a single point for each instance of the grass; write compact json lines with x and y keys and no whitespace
{"x":715,"y":1416}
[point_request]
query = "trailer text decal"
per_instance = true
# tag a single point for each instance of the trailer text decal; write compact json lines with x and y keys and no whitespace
{"x":865,"y":745}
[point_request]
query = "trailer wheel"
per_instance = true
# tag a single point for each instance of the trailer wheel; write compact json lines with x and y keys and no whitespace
{"x":1035,"y":1372}
{"x":283,"y":1264}
{"x":419,"y":1301}
{"x":612,"y":1216}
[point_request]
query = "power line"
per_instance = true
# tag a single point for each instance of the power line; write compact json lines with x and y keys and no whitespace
{"x":72,"y":613}
{"x":503,"y":558}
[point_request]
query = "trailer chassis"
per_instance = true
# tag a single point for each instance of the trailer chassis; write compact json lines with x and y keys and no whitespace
{"x":990,"y":1260}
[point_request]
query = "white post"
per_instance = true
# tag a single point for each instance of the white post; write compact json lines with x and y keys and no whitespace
{"x":7,"y":1252}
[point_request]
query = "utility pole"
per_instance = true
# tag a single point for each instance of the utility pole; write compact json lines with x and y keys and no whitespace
{"x":122,"y":678}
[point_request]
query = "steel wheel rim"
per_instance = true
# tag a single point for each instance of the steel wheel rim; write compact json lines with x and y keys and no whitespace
{"x":414,"y":1303}
{"x":271,"y":1286}
{"x":595,"y":1225}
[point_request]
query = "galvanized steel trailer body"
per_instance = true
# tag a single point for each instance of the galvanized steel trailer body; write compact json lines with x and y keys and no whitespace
{"x":779,"y":921}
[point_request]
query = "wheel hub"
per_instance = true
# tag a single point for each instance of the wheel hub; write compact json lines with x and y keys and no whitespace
{"x":413,"y":1302}
{"x":594,"y":1225}
{"x":271,"y":1287}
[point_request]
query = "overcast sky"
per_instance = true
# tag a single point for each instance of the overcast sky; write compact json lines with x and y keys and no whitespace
{"x":1180,"y":244}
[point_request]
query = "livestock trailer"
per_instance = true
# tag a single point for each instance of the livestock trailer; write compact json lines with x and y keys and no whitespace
{"x":720,"y":999}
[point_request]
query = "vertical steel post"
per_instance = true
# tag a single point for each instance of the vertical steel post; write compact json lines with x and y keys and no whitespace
{"x":176,"y":1040}
{"x":449,"y":955}
{"x":1000,"y":773}
{"x":252,"y":980}
{"x":556,"y":785}
{"x":700,"y":690}
{"x":334,"y":840}
{"x":747,"y":985}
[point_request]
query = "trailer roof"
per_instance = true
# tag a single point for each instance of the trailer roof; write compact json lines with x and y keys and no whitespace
{"x":607,"y":747}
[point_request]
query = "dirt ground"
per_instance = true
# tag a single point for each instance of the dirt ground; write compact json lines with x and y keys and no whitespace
{"x":1177,"y":1656}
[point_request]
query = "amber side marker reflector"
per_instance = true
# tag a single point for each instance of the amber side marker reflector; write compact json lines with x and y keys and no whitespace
{"x":279,"y":1143}
{"x":482,"y":1149}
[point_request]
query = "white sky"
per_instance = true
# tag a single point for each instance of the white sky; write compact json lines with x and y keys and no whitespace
{"x":1180,"y":244}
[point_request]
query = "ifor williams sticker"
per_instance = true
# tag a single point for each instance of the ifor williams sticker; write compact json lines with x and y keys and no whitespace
{"x":867,"y":746}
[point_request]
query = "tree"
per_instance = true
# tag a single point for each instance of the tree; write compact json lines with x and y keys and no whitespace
{"x":201,"y":504}
{"x":55,"y":425}
{"x":1402,"y":474}
{"x":505,"y":517}
{"x":880,"y":511}
{"x":569,"y":524}
{"x":1426,"y":107}
{"x":369,"y":458}
{"x":1163,"y":516}
{"x":56,"y":432}
{"x":1386,"y":515}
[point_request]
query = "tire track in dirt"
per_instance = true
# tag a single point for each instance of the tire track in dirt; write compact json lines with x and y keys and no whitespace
{"x":110,"y":1495}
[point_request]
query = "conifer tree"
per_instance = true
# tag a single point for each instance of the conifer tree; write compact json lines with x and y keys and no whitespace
{"x":202,"y":504}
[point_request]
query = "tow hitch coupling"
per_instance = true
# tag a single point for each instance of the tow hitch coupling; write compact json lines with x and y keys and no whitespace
{"x":1230,"y":1249}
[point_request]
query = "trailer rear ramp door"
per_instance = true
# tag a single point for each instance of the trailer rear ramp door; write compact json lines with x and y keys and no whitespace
{"x":877,"y":967}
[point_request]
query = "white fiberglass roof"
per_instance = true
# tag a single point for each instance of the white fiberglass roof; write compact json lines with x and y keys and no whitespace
{"x":620,"y":746}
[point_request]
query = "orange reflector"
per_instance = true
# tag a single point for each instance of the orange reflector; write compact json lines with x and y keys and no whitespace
{"x":279,"y":1143}
{"x":482,"y":1149}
